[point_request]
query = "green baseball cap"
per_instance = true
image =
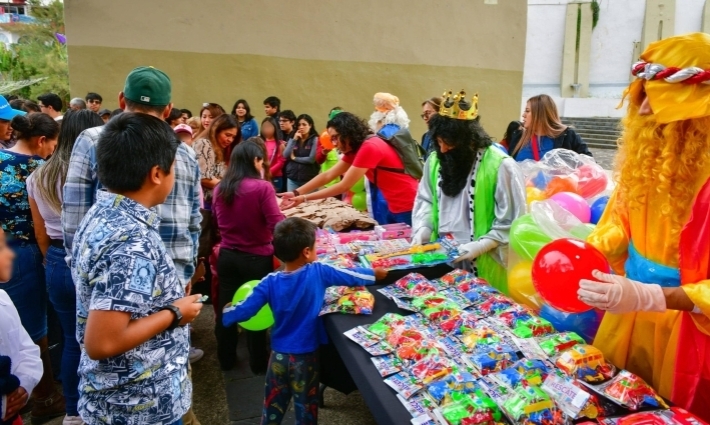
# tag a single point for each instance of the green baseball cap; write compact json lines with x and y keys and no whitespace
{"x":148,"y":86}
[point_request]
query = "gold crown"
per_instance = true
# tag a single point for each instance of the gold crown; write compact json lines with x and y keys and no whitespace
{"x":456,"y":106}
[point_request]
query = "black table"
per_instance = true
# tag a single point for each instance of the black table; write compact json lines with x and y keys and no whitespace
{"x":345,"y":366}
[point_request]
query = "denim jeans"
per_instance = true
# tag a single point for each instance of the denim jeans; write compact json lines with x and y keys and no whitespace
{"x":293,"y":184}
{"x":62,"y":295}
{"x":27,"y":289}
{"x":278,"y":183}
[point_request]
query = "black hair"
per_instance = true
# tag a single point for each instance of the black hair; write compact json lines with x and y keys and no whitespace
{"x":187,"y":111}
{"x":51,"y":99}
{"x":132,"y":106}
{"x":93,"y":96}
{"x":25,"y":105}
{"x":273,"y":122}
{"x":146,"y":140}
{"x":241,"y":166}
{"x":10,"y":97}
{"x":352,"y":129}
{"x":55,"y":169}
{"x":292,"y":236}
{"x":513,"y":127}
{"x":115,"y":112}
{"x":466,"y":137}
{"x":248,"y":116}
{"x":309,"y":120}
{"x":175,"y":114}
{"x":288,"y":114}
{"x":34,"y":125}
{"x":274,"y":102}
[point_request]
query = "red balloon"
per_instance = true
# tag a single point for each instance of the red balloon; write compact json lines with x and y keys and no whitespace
{"x":558,"y":268}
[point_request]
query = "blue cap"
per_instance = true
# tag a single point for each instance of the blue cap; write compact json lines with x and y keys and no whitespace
{"x":6,"y":112}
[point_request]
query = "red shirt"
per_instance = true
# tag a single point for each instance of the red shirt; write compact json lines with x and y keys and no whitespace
{"x":398,"y":189}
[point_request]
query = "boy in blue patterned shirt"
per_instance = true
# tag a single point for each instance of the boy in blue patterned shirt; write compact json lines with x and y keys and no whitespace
{"x":131,"y":307}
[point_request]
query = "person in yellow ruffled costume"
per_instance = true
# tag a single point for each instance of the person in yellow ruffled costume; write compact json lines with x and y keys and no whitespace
{"x":656,"y":228}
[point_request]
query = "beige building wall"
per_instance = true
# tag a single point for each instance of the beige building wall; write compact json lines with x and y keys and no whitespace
{"x":313,"y":54}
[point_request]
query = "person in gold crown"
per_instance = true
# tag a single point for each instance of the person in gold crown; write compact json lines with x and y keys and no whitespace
{"x":470,"y":190}
{"x":656,"y":228}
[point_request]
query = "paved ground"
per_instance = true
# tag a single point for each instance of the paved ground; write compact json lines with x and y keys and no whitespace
{"x":604,"y":157}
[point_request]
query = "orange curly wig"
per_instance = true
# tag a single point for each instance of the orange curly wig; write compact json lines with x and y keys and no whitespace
{"x":665,"y":158}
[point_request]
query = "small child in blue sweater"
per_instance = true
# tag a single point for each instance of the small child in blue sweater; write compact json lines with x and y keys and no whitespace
{"x":295,"y":297}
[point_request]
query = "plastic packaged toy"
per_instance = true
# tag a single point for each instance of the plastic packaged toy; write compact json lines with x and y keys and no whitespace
{"x":533,"y":326}
{"x":410,"y":280}
{"x":358,"y":302}
{"x":475,"y":408}
{"x":555,"y":344}
{"x":673,"y":416}
{"x":512,"y":318}
{"x":494,"y":305}
{"x":384,"y":324}
{"x":404,"y":384}
{"x":333,"y":293}
{"x":480,"y":336}
{"x":390,"y":263}
{"x":532,"y":371}
{"x":530,"y":405}
{"x":429,"y":301}
{"x":457,"y":276}
{"x":429,"y":258}
{"x":431,"y":368}
{"x":461,"y":382}
{"x":630,"y":391}
{"x":585,"y":363}
{"x":574,"y":399}
{"x":493,"y":358}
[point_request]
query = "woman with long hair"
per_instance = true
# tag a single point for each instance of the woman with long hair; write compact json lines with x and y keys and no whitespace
{"x":274,"y":150}
{"x":44,"y":188}
{"x":36,"y":139}
{"x":543,"y":131}
{"x":246,"y":213}
{"x":247,"y":124}
{"x":208,"y":113}
{"x":300,"y":154}
{"x":211,"y":152}
{"x":265,"y":169}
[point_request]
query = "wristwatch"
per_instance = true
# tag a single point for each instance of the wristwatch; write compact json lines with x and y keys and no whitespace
{"x":178,"y":316}
{"x":296,"y":192}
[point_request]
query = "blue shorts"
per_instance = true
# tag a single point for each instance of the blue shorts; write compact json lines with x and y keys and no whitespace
{"x":27,"y":289}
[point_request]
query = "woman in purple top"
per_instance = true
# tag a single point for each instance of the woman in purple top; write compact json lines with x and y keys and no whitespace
{"x":246,"y":212}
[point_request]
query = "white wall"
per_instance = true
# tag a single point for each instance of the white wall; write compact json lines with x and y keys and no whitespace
{"x":619,"y":27}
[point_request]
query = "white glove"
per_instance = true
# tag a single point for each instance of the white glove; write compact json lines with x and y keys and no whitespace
{"x":618,"y":294}
{"x":475,"y":249}
{"x":421,"y":236}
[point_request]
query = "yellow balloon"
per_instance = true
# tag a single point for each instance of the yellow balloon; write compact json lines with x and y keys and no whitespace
{"x":534,"y":194}
{"x":520,"y":285}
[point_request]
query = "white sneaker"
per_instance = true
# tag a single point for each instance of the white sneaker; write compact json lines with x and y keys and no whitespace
{"x":72,"y":420}
{"x":195,"y":354}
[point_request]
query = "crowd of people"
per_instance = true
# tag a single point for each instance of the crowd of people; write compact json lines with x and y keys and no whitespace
{"x":110,"y":219}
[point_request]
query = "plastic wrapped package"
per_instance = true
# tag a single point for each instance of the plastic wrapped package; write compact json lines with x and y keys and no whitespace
{"x":475,"y":408}
{"x":586,"y":363}
{"x":460,"y":382}
{"x":494,"y":305}
{"x":533,"y":326}
{"x":333,"y":293}
{"x":457,"y":276}
{"x":476,"y":291}
{"x":493,"y":358}
{"x":481,"y":335}
{"x":581,"y":173}
{"x":632,"y":392}
{"x":338,"y":260}
{"x":556,"y":344}
{"x":530,"y":405}
{"x":531,"y":371}
{"x":556,"y":222}
{"x":384,"y":325}
{"x":431,"y":367}
{"x":356,"y":302}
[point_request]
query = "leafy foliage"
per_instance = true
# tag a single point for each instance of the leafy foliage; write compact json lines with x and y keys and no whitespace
{"x":38,"y":54}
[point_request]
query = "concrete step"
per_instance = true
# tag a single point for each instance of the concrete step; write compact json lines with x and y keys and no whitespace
{"x":604,"y":132}
{"x":594,"y":141}
{"x":598,"y":136}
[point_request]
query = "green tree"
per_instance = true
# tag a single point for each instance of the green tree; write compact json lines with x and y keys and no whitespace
{"x":38,"y":53}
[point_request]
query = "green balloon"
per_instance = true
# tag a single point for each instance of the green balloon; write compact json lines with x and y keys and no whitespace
{"x":359,"y":186}
{"x":263,"y":319}
{"x":360,"y":201}
{"x":526,"y":237}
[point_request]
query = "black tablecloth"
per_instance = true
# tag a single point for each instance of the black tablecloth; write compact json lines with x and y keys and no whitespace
{"x":346,"y":366}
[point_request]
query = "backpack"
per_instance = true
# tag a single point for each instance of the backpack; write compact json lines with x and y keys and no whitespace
{"x":408,"y":150}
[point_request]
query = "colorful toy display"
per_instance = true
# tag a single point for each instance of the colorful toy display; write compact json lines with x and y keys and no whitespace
{"x":586,"y":363}
{"x":632,"y":392}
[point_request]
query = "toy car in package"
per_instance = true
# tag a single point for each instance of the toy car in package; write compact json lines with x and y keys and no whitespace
{"x":355,"y":302}
{"x":555,"y":344}
{"x":457,"y":382}
{"x":531,"y":371}
{"x":480,"y":336}
{"x":492,"y":358}
{"x":631,"y":392}
{"x":586,"y":363}
{"x":530,"y":405}
{"x":475,"y":408}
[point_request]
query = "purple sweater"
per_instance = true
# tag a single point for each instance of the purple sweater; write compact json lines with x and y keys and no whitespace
{"x":248,"y":224}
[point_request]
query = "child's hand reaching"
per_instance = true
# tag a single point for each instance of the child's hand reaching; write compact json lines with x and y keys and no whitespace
{"x":380,"y":273}
{"x":16,"y":400}
{"x":189,"y":308}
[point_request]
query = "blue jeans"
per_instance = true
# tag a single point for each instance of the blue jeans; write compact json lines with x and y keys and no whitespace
{"x":27,"y":289}
{"x":62,"y":295}
{"x":293,"y":184}
{"x":278,"y":183}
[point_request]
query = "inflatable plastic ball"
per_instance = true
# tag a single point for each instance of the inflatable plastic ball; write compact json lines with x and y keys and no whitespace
{"x":598,"y":208}
{"x":526,"y":237}
{"x":325,"y":141}
{"x":263,"y":319}
{"x":558,"y":268}
{"x":360,"y":201}
{"x":574,"y":204}
{"x":592,"y":180}
{"x":520,"y":285}
{"x":560,"y":184}
{"x":584,"y":324}
{"x":534,"y":194}
{"x":359,"y":186}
